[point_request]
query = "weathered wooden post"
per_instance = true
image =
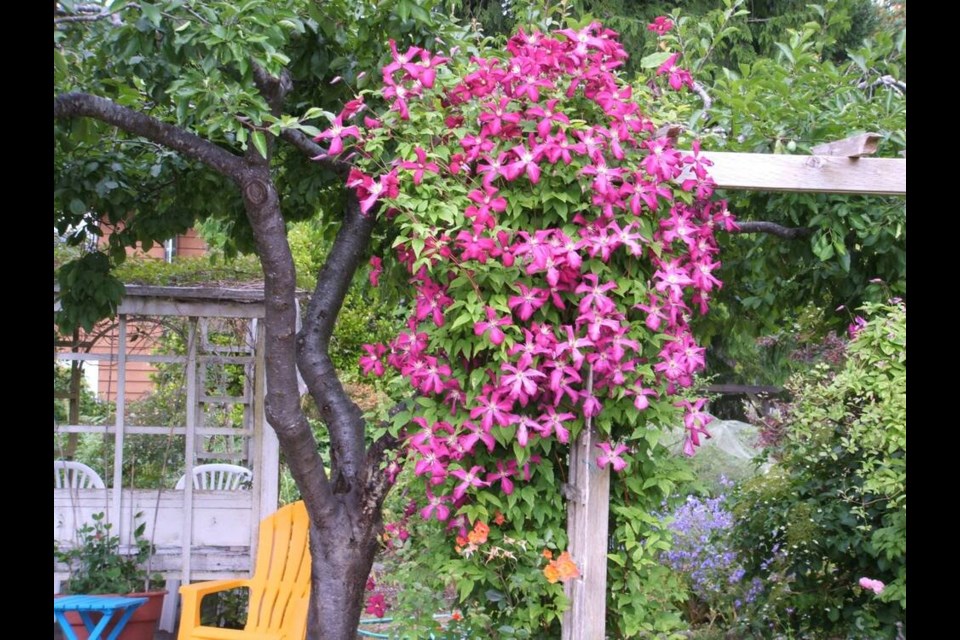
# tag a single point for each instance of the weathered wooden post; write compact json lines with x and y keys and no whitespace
{"x":588,"y":505}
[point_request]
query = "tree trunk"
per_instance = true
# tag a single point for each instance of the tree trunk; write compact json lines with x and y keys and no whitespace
{"x":344,"y":509}
{"x":342,"y":557}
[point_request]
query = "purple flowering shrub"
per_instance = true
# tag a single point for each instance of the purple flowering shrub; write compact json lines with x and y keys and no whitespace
{"x":703,"y":552}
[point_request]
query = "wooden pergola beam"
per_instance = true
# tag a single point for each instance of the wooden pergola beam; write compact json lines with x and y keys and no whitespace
{"x":808,"y":174}
{"x":858,"y":146}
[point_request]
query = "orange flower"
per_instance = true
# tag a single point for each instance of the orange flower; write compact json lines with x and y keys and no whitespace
{"x":461,"y":541}
{"x":551,"y":572}
{"x":567,"y":567}
{"x":498,"y":518}
{"x":547,"y":554}
{"x":456,"y":615}
{"x":479,"y":533}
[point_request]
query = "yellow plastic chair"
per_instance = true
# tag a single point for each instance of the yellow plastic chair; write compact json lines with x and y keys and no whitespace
{"x":279,"y":588}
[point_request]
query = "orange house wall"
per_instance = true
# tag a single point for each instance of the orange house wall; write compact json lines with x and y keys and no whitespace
{"x":141,"y":339}
{"x":138,"y":382}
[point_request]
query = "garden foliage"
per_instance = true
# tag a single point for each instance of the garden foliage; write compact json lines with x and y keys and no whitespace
{"x":835,"y":506}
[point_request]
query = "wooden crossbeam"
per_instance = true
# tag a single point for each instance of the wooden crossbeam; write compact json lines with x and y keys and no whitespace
{"x":864,"y":144}
{"x":809,"y":174}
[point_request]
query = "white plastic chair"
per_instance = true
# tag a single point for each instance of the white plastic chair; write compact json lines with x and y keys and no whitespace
{"x":75,"y":475}
{"x":218,"y":477}
{"x":209,"y":477}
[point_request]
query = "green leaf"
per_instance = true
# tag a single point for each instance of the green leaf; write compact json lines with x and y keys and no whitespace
{"x":417,"y":244}
{"x":654,"y":59}
{"x":403,"y":10}
{"x":151,"y":12}
{"x":787,"y":52}
{"x":260,"y":142}
{"x":466,"y":587}
{"x":493,"y":595}
{"x":420,"y":14}
{"x":845,"y":261}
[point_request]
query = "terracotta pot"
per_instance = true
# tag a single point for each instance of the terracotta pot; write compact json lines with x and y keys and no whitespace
{"x":141,"y":626}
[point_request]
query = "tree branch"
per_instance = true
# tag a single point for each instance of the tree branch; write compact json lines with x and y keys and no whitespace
{"x":72,"y":105}
{"x":283,"y":408}
{"x":772,"y":228}
{"x":87,"y":13}
{"x":303,"y":142}
{"x":274,"y":89}
{"x":887,"y":81}
{"x":378,"y":481}
{"x":701,"y":91}
{"x":343,"y":418}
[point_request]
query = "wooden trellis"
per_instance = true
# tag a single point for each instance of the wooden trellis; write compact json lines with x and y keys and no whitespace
{"x":197,"y":534}
{"x":839,"y":168}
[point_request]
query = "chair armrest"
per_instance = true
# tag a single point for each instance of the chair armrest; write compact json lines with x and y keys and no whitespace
{"x":192,"y":594}
{"x":213,"y":633}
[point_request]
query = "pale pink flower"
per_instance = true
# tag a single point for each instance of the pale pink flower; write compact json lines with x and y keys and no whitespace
{"x":872,"y":585}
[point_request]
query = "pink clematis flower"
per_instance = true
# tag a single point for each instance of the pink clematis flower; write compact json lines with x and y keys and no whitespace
{"x":476,"y":434}
{"x":529,"y":300}
{"x":369,"y":191}
{"x":548,"y":116}
{"x":372,"y":361}
{"x":527,"y":160}
{"x":520,"y":381}
{"x":336,"y":133}
{"x":420,"y":165}
{"x":485,"y":202}
{"x":611,"y":456}
{"x":468,"y":479}
{"x":858,"y":325}
{"x":640,"y":394}
{"x":660,"y":25}
{"x":376,"y":264}
{"x":491,"y":408}
{"x":492,"y":325}
{"x":376,"y":605}
{"x":591,"y":405}
{"x":676,"y":76}
{"x":503,"y":474}
{"x":553,"y":421}
{"x":436,"y":505}
{"x":400,"y":60}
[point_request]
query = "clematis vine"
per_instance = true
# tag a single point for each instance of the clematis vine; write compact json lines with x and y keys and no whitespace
{"x":556,"y":248}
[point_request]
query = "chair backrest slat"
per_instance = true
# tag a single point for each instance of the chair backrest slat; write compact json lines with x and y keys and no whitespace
{"x":282,"y":576}
{"x":75,"y":475}
{"x":218,"y":477}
